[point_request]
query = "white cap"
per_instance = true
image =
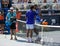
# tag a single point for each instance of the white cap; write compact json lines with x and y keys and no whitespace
{"x":11,"y":8}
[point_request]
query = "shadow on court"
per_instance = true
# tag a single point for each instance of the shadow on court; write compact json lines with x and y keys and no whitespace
{"x":21,"y":41}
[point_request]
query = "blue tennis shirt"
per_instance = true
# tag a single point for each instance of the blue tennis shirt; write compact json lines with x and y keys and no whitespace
{"x":30,"y":17}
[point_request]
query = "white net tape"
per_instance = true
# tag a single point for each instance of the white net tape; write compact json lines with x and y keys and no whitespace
{"x":41,"y":25}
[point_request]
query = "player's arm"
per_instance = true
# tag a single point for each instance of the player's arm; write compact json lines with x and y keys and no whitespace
{"x":40,"y":14}
{"x":7,"y":16}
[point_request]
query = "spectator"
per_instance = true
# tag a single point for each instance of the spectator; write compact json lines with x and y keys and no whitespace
{"x":19,"y":1}
{"x":1,"y":22}
{"x":38,"y":21}
{"x":55,"y":1}
{"x":45,"y":1}
{"x":29,"y":1}
{"x":39,"y":15}
{"x":18,"y":16}
{"x":30,"y":18}
{"x":11,"y":18}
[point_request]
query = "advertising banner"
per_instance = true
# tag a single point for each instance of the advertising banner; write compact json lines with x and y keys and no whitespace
{"x":52,"y":20}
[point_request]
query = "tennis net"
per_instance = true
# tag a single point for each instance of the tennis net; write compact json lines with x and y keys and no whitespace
{"x":50,"y":34}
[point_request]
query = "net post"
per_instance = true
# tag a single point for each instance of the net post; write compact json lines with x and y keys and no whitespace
{"x":42,"y":28}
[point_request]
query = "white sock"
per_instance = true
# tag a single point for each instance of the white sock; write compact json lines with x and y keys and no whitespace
{"x":30,"y":39}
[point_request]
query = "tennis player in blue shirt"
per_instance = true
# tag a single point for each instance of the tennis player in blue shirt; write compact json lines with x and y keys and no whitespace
{"x":30,"y":20}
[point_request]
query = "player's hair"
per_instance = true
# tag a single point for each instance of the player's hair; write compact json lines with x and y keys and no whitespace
{"x":32,"y":7}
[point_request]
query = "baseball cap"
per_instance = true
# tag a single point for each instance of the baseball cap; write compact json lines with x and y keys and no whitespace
{"x":11,"y":8}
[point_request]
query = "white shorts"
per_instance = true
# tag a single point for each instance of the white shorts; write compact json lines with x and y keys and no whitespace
{"x":29,"y":26}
